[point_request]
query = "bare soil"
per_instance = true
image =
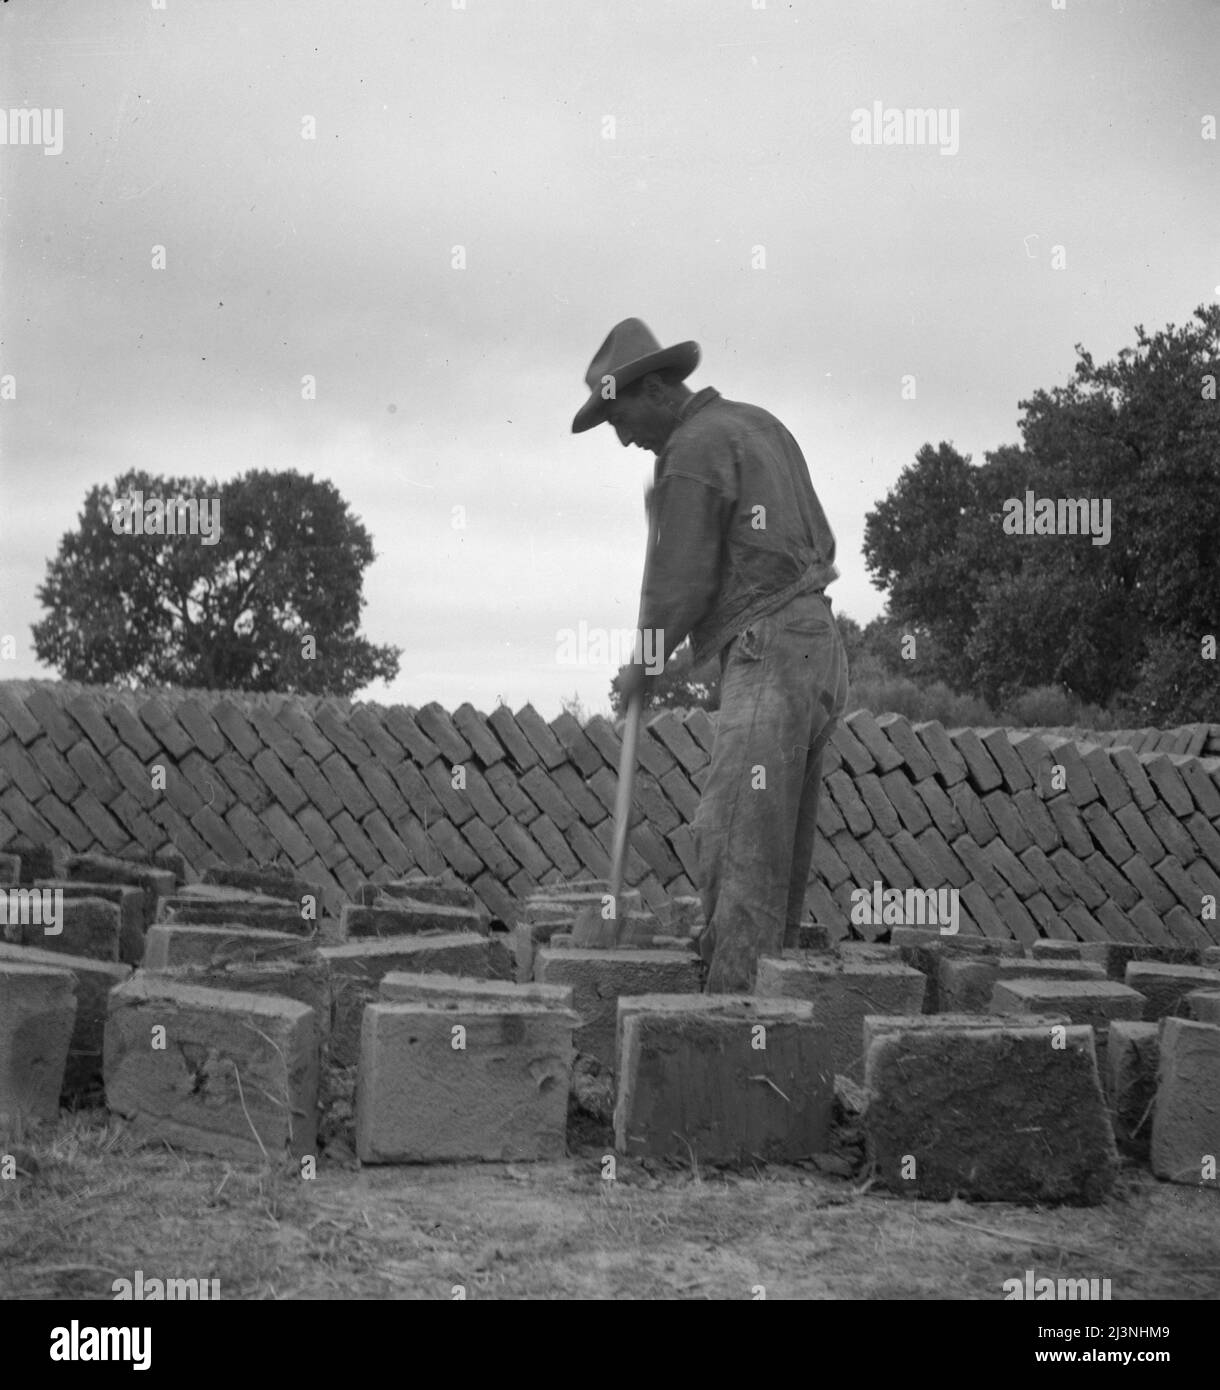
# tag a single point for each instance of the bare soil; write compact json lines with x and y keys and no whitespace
{"x":88,"y":1207}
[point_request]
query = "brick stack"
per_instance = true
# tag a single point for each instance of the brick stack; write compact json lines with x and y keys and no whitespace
{"x":1045,"y":835}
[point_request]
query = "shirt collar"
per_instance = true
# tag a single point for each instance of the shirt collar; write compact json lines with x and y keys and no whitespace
{"x":697,"y":402}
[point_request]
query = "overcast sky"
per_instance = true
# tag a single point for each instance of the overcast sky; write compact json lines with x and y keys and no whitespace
{"x":485,"y":128}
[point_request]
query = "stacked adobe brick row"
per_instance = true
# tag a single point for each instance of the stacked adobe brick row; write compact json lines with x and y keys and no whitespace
{"x":1042,"y":834}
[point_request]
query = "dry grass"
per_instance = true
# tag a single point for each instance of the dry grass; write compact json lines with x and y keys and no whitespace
{"x":95,"y":1209}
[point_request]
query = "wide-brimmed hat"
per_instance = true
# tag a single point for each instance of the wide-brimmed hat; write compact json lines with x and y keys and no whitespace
{"x":629,"y":352}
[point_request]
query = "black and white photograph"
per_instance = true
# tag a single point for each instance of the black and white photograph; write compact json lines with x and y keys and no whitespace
{"x":608,"y":666}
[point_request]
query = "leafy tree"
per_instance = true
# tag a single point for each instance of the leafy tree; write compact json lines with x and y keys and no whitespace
{"x":1115,"y":622}
{"x":169,"y":609}
{"x":678,"y":686}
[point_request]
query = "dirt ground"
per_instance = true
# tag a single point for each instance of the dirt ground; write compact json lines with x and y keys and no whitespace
{"x":88,"y":1208}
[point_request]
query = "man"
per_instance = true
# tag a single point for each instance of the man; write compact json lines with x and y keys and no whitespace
{"x":741,"y":562}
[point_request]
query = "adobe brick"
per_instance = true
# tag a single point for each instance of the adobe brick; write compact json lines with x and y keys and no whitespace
{"x":218,"y":835}
{"x":498,"y":901}
{"x":864,"y":873}
{"x":702,"y":728}
{"x":852,"y":751}
{"x":827,"y":864}
{"x":635,"y":870}
{"x":1147,"y":922}
{"x":604,"y":785}
{"x":1047,"y":916}
{"x":1080,"y":785}
{"x":982,"y":910}
{"x":586,"y":805}
{"x":1110,"y":784}
{"x":1010,"y":868}
{"x":543,"y":741}
{"x":979,"y":825}
{"x":437,"y":725}
{"x":980,"y":766}
{"x":93,"y":771}
{"x":503,"y":781}
{"x":483,"y":800}
{"x":202,"y":728}
{"x":400,"y":724}
{"x":1204,"y":877}
{"x":894,"y":873}
{"x":489,"y":849}
{"x":23,"y":770}
{"x":854,"y":811}
{"x":903,"y":739}
{"x":282,"y":785}
{"x":242,"y":821}
{"x":1111,"y":881}
{"x":554,"y":846}
{"x":654,"y":851}
{"x":172,"y":736}
{"x":1014,"y":772}
{"x":183,"y":836}
{"x":423,"y":851}
{"x":905,"y":800}
{"x":473,"y":727}
{"x":130,"y":731}
{"x":126,"y":810}
{"x":1140,"y":833}
{"x":246,"y":787}
{"x":1015,"y":917}
{"x":943,"y":812}
{"x":1037,"y":820}
{"x":65,"y":822}
{"x":978,"y":865}
{"x":58,"y":773}
{"x":1173,"y":874}
{"x":1128,"y":763}
{"x":96,"y":817}
{"x":873,"y":795}
{"x":522,"y":846}
{"x":293,"y":732}
{"x":519,"y":748}
{"x":575,"y":744}
{"x":673,"y":734}
{"x":83,"y":709}
{"x":543,"y":790}
{"x":391,"y":848}
{"x":236,"y":728}
{"x":602,"y":736}
{"x":872,"y":736}
{"x":1078,"y":878}
{"x":1140,"y":873}
{"x":1108,"y":833}
{"x":1205,"y":837}
{"x":1083,"y":923}
{"x":1034,"y":753}
{"x":1165,"y":777}
{"x":655,"y":757}
{"x":1048,"y":877}
{"x":1118,"y":926}
{"x":825,"y":911}
{"x":334,"y":725}
{"x":1169,"y":830}
{"x":682,"y":842}
{"x":1070,"y":824}
{"x":1194,"y":772}
{"x":365,"y":721}
{"x":56,"y":723}
{"x":211,"y":786}
{"x":1185,"y":929}
{"x":999,"y":806}
{"x":457,"y":807}
{"x":359,"y":846}
{"x":654,"y":804}
{"x":383,"y":790}
{"x":948,"y":868}
{"x":685,"y":798}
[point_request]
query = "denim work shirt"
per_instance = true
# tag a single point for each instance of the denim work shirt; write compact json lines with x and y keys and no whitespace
{"x":740,"y":528}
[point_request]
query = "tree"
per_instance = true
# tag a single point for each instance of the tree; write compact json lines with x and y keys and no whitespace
{"x":286,"y":566}
{"x":1120,"y":621}
{"x":678,"y":686}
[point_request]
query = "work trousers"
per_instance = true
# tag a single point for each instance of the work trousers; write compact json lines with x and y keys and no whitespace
{"x":783,"y":686}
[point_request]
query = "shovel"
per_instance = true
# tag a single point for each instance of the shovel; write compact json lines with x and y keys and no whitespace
{"x":591,"y":928}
